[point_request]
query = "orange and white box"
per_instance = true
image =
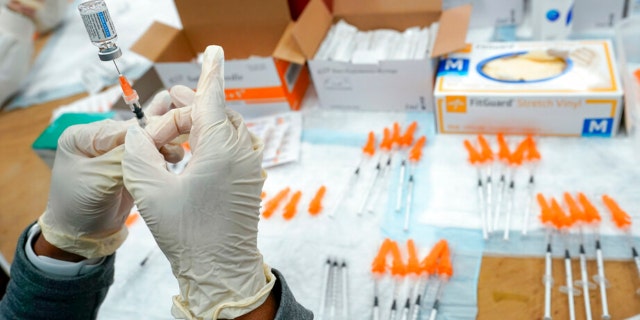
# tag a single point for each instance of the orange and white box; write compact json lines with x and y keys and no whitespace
{"x":568,"y":88}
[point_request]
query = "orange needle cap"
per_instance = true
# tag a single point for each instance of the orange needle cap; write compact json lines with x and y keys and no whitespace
{"x":546,"y":215}
{"x":619,"y":216}
{"x":271,"y":205}
{"x":430,"y":262}
{"x":407,"y":138}
{"x":413,"y":265}
{"x":315,"y":206}
{"x":445,"y":268}
{"x":532,"y":154}
{"x":370,"y":147}
{"x":487,"y":154}
{"x":504,"y":154}
{"x":395,"y":136}
{"x":386,"y":140}
{"x":291,"y":208}
{"x":591,"y":213}
{"x":474,"y":156}
{"x":126,"y":86}
{"x":574,"y":210}
{"x":416,"y":151}
{"x":380,"y":261}
{"x":397,"y":267}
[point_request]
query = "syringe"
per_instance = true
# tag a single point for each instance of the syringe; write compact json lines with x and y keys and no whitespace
{"x":547,"y":217}
{"x":414,"y":156}
{"x":622,"y":220}
{"x":578,"y":216}
{"x":533,"y":157}
{"x":594,"y":216}
{"x":130,"y":97}
{"x":476,"y":159}
{"x":564,"y":223}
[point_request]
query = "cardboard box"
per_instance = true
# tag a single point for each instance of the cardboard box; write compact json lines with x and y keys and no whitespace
{"x":582,"y":97}
{"x":401,"y":85}
{"x":264,"y":67}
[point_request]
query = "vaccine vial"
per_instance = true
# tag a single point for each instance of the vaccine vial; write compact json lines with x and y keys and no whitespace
{"x":100,"y":28}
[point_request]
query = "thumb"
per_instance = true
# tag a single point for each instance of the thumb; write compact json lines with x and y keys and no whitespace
{"x":143,"y":166}
{"x":209,"y":105}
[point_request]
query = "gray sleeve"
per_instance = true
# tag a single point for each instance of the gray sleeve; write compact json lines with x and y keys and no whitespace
{"x":33,"y":294}
{"x":288,"y":307}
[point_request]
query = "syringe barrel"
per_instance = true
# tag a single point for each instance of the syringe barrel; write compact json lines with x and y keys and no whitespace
{"x":100,"y":28}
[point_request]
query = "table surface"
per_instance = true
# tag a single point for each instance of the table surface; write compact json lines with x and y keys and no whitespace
{"x":510,"y":287}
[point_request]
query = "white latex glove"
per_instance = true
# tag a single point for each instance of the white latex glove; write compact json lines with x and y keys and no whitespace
{"x":16,"y":48}
{"x":88,"y":204}
{"x":205,"y":220}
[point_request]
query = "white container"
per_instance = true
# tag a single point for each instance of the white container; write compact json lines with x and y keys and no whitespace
{"x":551,"y":19}
{"x":628,"y":49}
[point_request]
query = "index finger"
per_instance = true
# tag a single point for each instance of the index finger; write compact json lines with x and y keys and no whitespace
{"x":93,"y":139}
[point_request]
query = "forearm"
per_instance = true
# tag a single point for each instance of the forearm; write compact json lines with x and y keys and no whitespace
{"x":35,"y":294}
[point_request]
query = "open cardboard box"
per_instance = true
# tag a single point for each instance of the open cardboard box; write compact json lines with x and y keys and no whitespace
{"x":401,"y":85}
{"x":264,"y":69}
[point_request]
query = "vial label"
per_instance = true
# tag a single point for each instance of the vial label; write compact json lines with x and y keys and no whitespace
{"x":99,"y":26}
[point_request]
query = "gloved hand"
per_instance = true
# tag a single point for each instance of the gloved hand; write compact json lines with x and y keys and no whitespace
{"x":205,"y":220}
{"x":88,"y":204}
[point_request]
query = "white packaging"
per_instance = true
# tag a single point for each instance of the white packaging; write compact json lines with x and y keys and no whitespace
{"x":633,"y":8}
{"x":491,"y":13}
{"x":551,"y":19}
{"x":345,"y":45}
{"x":594,"y":15}
{"x":323,"y":51}
{"x":381,"y":42}
{"x":568,"y":88}
{"x":421,"y":44}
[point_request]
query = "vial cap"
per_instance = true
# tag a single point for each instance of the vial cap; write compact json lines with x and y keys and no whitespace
{"x":110,"y":54}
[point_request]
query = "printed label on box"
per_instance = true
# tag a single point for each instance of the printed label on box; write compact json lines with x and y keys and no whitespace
{"x":601,"y":127}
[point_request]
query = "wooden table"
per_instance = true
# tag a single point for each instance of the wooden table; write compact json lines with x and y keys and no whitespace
{"x":509,"y":288}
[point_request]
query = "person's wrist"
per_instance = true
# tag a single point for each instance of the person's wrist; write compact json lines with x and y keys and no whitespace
{"x":267,"y":310}
{"x":42,"y":247}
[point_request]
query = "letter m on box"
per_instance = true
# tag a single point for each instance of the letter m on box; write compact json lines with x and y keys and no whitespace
{"x":453,"y":66}
{"x":597,"y":127}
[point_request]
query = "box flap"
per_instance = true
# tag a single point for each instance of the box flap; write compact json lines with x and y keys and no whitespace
{"x":396,"y":21}
{"x":312,"y":26}
{"x":288,"y":48}
{"x":146,"y":86}
{"x":163,"y":43}
{"x":243,"y":27}
{"x":345,"y":7}
{"x":452,"y":33}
